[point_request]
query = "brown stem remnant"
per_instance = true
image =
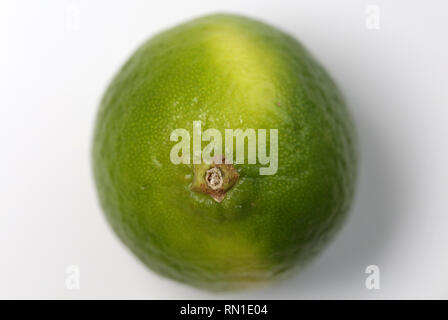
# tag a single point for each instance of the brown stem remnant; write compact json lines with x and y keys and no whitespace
{"x":214,"y":179}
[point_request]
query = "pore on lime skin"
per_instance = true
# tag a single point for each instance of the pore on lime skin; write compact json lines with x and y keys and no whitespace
{"x":224,"y":226}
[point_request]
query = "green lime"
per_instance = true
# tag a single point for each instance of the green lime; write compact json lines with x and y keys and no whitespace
{"x":275,"y":172}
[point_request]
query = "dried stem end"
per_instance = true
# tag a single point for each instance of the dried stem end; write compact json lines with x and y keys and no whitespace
{"x":214,"y":179}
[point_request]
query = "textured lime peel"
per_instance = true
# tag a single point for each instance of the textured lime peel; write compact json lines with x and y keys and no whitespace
{"x":214,"y":179}
{"x":231,"y":73}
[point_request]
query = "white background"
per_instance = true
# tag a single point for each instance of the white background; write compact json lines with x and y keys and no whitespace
{"x":56,"y":59}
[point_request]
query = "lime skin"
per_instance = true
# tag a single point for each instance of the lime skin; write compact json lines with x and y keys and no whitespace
{"x":226,"y":71}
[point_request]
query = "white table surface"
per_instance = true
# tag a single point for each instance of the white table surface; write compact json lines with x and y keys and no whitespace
{"x":57,"y":57}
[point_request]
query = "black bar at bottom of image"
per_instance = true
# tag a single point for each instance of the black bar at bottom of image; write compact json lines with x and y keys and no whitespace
{"x":223,"y":309}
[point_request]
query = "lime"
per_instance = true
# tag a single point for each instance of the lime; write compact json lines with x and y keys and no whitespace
{"x":223,"y":153}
